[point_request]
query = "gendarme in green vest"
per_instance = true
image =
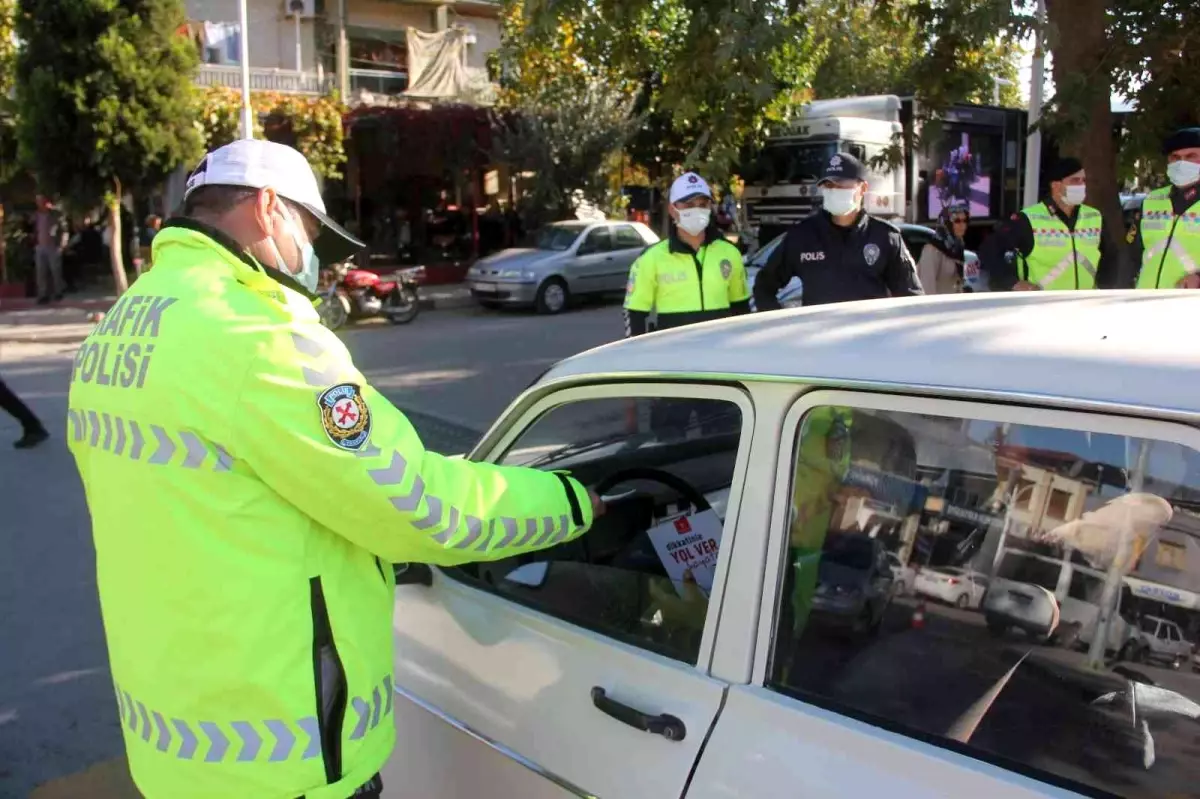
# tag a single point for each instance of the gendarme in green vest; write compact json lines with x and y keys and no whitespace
{"x":248,"y":491}
{"x":1062,"y":259}
{"x":1170,"y":243}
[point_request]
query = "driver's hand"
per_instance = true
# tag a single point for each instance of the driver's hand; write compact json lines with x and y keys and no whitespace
{"x":597,"y":504}
{"x":1025,"y":285}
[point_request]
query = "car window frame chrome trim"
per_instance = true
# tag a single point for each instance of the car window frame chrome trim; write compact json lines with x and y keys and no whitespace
{"x":495,"y":745}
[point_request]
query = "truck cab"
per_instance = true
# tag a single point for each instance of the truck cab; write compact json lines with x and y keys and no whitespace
{"x":781,"y":183}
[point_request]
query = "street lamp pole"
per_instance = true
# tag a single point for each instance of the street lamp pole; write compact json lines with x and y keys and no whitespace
{"x":247,"y":114}
{"x":297,"y":6}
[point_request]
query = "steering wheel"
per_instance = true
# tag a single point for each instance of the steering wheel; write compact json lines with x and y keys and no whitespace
{"x":678,"y":484}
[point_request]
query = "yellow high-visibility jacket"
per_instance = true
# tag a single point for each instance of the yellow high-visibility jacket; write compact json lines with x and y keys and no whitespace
{"x":248,"y":491}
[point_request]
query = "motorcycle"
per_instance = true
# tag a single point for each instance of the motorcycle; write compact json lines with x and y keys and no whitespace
{"x":349,"y":293}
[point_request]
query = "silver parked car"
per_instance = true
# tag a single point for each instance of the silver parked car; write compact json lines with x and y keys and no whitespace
{"x":570,"y":259}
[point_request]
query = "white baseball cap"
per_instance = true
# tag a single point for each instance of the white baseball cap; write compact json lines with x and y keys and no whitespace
{"x":262,"y":164}
{"x":687,"y":186}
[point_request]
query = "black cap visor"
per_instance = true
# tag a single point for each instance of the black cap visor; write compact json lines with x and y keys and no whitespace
{"x":334,"y":243}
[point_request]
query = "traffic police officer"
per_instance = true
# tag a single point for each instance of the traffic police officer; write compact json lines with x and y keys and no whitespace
{"x":693,"y":276}
{"x":248,"y":492}
{"x":839,"y":253}
{"x":1168,"y":232}
{"x":1057,"y":244}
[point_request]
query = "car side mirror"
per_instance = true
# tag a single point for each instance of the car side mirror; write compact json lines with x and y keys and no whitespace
{"x":413,"y":574}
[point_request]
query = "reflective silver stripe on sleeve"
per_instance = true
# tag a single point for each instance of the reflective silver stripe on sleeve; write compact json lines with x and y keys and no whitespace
{"x":119,"y":444}
{"x":433,"y":513}
{"x":108,"y":432}
{"x":307,"y":346}
{"x":196,"y":451}
{"x":135,"y":448}
{"x":77,"y":424}
{"x":372,"y":713}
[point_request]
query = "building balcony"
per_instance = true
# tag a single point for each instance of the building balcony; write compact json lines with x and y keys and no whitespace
{"x":263,"y":79}
{"x":379,"y":81}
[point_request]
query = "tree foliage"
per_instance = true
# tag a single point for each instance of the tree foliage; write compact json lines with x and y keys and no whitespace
{"x":567,"y":142}
{"x":106,"y":98}
{"x":706,"y":75}
{"x":313,"y":125}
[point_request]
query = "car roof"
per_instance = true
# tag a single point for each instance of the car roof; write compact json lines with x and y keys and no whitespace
{"x":1124,"y":348}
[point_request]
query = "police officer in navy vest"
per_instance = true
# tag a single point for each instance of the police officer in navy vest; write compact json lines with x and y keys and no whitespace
{"x":840,"y":253}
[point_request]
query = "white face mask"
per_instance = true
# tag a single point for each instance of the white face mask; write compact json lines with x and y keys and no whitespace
{"x":694,"y":221}
{"x":840,"y":202}
{"x":308,"y":269}
{"x":1074,"y":195}
{"x":1183,"y":173}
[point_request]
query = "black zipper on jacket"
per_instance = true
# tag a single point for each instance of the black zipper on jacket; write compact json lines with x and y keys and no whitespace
{"x":1075,"y":260}
{"x":700,"y":271}
{"x":1166,"y":249}
{"x":330,"y":683}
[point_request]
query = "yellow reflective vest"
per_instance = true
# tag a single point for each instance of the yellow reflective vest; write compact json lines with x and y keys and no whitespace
{"x":248,"y":491}
{"x":1062,"y":259}
{"x":1170,"y":243}
{"x":686,"y":286}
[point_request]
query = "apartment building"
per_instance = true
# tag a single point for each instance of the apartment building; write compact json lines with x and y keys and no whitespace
{"x":360,"y":47}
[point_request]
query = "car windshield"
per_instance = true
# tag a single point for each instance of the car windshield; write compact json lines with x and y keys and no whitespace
{"x":850,"y":551}
{"x":759,"y":259}
{"x":558,"y":237}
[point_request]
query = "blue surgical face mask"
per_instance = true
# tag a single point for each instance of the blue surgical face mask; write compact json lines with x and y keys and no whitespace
{"x":308,"y":269}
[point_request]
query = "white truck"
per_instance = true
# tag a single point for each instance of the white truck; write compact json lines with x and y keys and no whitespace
{"x":976,"y":158}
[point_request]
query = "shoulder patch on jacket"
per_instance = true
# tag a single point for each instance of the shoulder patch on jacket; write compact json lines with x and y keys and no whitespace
{"x":345,"y":415}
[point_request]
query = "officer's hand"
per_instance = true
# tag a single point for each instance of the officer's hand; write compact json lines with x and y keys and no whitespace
{"x":597,"y":504}
{"x":1191,"y":281}
{"x":1025,"y":285}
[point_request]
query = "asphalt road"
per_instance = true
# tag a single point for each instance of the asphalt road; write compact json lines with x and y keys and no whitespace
{"x":453,"y":371}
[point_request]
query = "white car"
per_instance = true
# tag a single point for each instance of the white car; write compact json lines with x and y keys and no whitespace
{"x":959,"y":587}
{"x":1157,"y":639}
{"x":669,"y":652}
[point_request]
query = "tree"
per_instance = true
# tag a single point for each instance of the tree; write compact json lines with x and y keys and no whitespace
{"x":107,"y":101}
{"x":567,"y":141}
{"x":8,"y":132}
{"x":711,"y":75}
{"x":879,"y":48}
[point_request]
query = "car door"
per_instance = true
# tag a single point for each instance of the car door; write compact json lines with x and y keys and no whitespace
{"x":947,"y":708}
{"x":590,"y":271}
{"x":581,"y":670}
{"x":628,"y":244}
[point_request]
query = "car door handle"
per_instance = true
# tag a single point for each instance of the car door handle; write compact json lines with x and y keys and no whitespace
{"x":669,"y":727}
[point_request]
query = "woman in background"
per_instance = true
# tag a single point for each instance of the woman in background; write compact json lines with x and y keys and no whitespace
{"x":941,"y":265}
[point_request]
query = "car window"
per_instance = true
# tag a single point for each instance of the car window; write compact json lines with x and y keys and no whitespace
{"x":626,"y":238}
{"x":558,"y":237}
{"x":597,"y":240}
{"x":642,"y":575}
{"x":1172,"y":634}
{"x":1150,"y":626}
{"x":1024,"y":678}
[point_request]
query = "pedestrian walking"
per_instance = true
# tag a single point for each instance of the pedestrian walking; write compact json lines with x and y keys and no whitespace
{"x":693,"y":276}
{"x":940,"y":267}
{"x":50,"y":231}
{"x":1167,"y":233}
{"x":1057,"y":244}
{"x":33,"y":432}
{"x":840,"y":253}
{"x":246,"y":585}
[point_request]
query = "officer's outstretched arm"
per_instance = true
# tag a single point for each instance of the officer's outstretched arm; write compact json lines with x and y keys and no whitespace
{"x":901,"y":272}
{"x":308,"y":426}
{"x":774,"y":275}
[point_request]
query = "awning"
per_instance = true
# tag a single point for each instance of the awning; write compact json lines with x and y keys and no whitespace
{"x":1163,"y":593}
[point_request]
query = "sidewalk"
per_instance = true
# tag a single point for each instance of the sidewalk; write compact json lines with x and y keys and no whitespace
{"x":72,"y":319}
